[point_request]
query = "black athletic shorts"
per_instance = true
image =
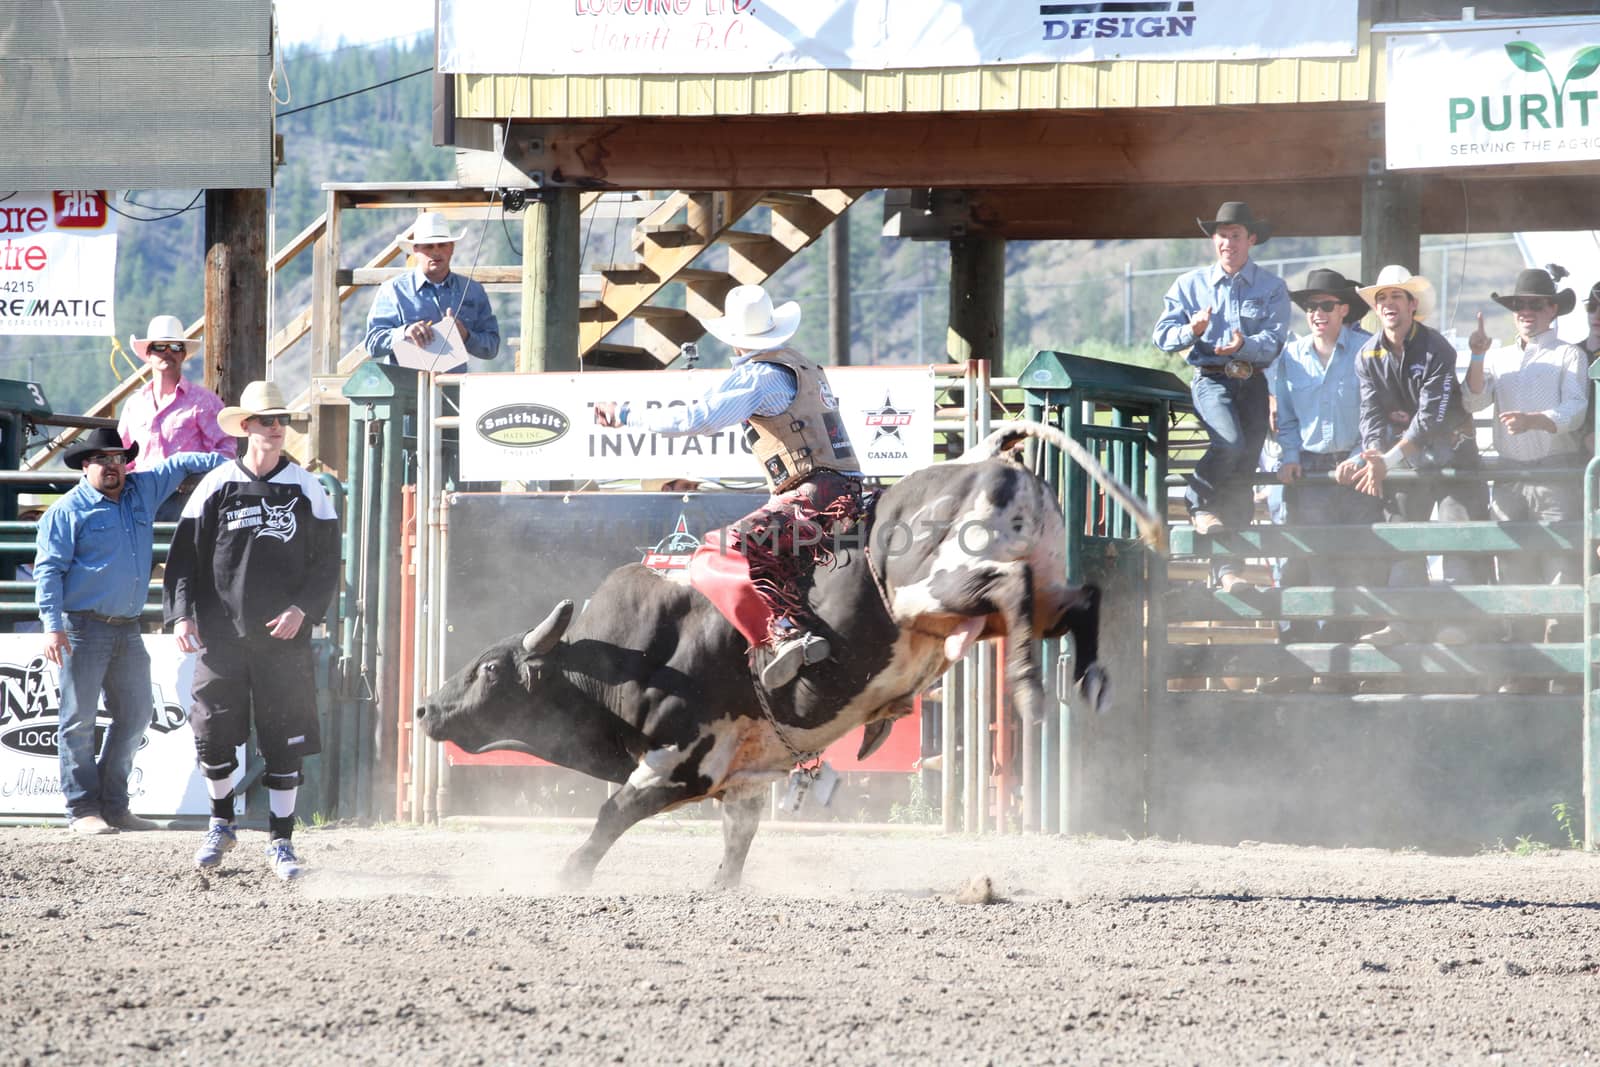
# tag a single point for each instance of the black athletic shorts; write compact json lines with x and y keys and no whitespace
{"x":270,"y":681}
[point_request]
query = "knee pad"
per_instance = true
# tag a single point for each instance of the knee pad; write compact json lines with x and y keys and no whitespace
{"x":218,"y":771}
{"x":284,"y":777}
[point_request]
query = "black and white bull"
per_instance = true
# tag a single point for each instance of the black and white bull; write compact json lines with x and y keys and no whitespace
{"x":652,"y":688}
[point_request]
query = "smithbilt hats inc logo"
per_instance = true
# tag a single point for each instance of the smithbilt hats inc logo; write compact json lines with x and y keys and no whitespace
{"x":1532,"y":111}
{"x":523,"y":425}
{"x":30,"y":709}
{"x":1118,"y":19}
{"x":886,"y":421}
{"x":672,"y":552}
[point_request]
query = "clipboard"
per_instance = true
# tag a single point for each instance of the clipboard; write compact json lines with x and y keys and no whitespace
{"x":445,"y":352}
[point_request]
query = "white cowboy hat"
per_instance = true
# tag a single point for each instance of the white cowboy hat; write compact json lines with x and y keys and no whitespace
{"x":164,"y":328}
{"x":1394,"y":276}
{"x":431,"y":228}
{"x":750,"y":322}
{"x":258,"y":398}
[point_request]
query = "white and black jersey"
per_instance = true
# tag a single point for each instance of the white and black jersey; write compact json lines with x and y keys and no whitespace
{"x":247,"y":548}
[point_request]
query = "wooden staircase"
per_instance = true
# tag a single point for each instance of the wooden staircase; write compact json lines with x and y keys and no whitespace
{"x":753,"y":233}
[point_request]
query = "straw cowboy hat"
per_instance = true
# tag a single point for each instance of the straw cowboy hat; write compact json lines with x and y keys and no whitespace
{"x":750,"y":322}
{"x":1536,"y":282}
{"x":100,"y":439}
{"x":258,"y":398}
{"x":1394,"y":276}
{"x":431,"y":228}
{"x":164,"y":328}
{"x":1323,"y":280}
{"x":1238,"y":213}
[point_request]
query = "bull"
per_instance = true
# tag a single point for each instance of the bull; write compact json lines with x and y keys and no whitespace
{"x":652,"y":688}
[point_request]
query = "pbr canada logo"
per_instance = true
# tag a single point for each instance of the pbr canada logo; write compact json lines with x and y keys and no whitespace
{"x":886,"y":421}
{"x":671,"y":554}
{"x":30,"y":708}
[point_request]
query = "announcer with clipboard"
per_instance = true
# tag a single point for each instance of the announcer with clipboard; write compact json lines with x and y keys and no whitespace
{"x":430,"y":318}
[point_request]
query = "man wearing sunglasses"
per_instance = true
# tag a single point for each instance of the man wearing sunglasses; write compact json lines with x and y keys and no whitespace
{"x":92,"y":566}
{"x":169,"y":414}
{"x":1539,"y":389}
{"x":253,"y":568}
{"x":1319,"y":427}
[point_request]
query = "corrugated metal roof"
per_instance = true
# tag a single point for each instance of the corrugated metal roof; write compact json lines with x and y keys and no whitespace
{"x":1118,"y":84}
{"x":82,"y":111}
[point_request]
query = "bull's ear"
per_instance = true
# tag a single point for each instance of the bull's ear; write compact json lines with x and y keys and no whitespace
{"x":543,"y":638}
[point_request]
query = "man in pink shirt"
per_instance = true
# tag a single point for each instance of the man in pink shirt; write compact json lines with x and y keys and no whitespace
{"x":169,"y":415}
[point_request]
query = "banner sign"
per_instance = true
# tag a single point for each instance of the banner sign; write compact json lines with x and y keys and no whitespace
{"x":1476,"y":97}
{"x":540,"y":427}
{"x":165,"y":780}
{"x":58,"y":263}
{"x":697,"y":37}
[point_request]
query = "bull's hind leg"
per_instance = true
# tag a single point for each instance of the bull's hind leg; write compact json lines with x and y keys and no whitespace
{"x":628,"y":805}
{"x":740,"y":817}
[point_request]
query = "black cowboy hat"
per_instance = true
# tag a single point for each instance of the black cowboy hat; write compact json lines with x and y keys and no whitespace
{"x":1536,"y":282}
{"x":101,"y":439}
{"x":1323,"y":280}
{"x":1238,"y":213}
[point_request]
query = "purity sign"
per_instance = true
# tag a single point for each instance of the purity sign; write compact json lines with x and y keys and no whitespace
{"x":58,"y":263}
{"x":1471,"y":98}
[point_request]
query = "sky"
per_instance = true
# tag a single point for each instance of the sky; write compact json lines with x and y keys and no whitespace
{"x":322,"y":23}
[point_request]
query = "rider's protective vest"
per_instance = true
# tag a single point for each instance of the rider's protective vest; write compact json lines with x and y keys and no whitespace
{"x":805,"y":436}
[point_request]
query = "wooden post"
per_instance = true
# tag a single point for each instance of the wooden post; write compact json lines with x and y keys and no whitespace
{"x":977,"y":299}
{"x":839,"y":291}
{"x":1391,"y":224}
{"x":550,"y":271}
{"x":236,"y":289}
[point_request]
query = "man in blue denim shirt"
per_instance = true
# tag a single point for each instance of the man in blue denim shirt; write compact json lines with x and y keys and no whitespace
{"x":1233,"y":317}
{"x":430,"y":296}
{"x":1319,"y":426}
{"x":92,"y":566}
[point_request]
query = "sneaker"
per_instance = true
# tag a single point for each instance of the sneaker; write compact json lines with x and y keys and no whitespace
{"x":790,"y":656}
{"x":285,"y":864}
{"x":91,"y":826}
{"x":219,"y":840}
{"x":127,"y":820}
{"x":1205,"y":522}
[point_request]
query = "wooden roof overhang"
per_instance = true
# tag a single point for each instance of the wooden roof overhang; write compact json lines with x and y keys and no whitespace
{"x":1093,"y":174}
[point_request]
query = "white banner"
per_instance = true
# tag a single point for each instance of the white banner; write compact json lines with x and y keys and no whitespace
{"x":694,"y":37}
{"x":58,"y":263}
{"x":165,"y":780}
{"x":1477,"y":97}
{"x":540,"y":427}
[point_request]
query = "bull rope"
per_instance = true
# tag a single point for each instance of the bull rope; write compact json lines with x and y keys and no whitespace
{"x":1152,"y":529}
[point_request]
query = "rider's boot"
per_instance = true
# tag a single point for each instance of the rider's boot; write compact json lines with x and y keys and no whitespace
{"x":796,"y":649}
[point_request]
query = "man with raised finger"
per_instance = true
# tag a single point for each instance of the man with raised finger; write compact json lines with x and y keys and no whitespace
{"x":1539,"y":389}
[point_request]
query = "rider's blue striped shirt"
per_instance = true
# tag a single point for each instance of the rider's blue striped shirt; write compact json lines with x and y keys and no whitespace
{"x":751,"y":388}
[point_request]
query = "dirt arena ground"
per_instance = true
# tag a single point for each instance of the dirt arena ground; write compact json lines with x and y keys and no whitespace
{"x":453,"y":946}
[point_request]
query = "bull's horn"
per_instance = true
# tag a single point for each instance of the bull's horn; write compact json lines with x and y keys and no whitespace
{"x":1152,"y":529}
{"x":543,"y":638}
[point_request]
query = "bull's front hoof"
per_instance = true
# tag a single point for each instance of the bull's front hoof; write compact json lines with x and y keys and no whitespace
{"x":725,"y":882}
{"x":574,"y":877}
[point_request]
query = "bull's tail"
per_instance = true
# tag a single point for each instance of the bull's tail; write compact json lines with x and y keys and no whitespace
{"x":1152,"y":530}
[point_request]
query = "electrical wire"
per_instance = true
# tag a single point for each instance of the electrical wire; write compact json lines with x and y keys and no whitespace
{"x":354,"y":92}
{"x":152,"y":218}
